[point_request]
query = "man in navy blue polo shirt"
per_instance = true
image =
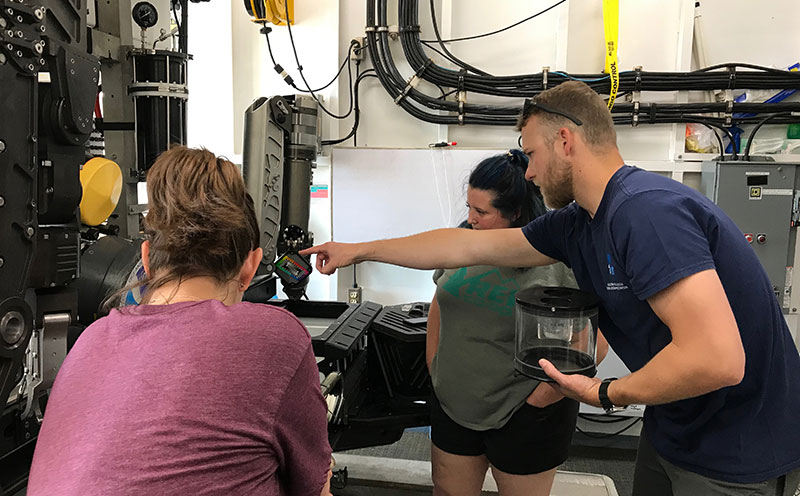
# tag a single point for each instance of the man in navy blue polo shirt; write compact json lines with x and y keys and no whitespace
{"x":685,"y":303}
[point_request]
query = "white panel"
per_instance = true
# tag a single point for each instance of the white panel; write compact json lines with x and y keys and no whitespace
{"x":763,"y":33}
{"x":383,"y":193}
{"x":536,"y":39}
{"x":248,"y":49}
{"x":210,"y":79}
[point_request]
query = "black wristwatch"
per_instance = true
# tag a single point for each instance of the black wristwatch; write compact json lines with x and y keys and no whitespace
{"x":602,"y":394}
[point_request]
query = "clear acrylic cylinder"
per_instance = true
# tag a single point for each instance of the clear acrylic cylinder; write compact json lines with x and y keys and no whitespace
{"x":558,"y":324}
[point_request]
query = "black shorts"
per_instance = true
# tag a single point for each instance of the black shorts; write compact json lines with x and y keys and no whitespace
{"x":534,"y":440}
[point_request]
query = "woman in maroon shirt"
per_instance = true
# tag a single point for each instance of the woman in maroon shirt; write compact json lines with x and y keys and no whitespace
{"x":194,"y":391}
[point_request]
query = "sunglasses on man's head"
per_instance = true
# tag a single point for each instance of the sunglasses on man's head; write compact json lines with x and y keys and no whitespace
{"x":530,"y":103}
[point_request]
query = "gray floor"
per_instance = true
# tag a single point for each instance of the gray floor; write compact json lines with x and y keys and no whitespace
{"x":617,"y":464}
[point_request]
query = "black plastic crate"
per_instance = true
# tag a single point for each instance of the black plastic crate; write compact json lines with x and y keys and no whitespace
{"x":398,"y":347}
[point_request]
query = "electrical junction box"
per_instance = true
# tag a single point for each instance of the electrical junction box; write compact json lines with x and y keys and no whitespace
{"x":354,"y":296}
{"x":763,"y":199}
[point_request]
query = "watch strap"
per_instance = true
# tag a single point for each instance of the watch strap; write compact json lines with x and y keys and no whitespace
{"x":602,"y":394}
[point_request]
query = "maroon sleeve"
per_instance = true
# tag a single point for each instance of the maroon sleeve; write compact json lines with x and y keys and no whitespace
{"x":301,"y":432}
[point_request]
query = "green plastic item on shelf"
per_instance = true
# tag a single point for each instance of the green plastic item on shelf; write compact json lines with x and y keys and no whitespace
{"x":793,"y":132}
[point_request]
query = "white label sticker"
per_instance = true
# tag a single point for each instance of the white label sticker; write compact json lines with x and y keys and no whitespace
{"x":756,"y":173}
{"x":777,"y":192}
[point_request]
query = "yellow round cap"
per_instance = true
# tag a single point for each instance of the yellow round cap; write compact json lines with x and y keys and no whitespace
{"x":102,"y":184}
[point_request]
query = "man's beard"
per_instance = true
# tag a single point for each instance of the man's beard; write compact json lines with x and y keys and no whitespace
{"x":557,"y":192}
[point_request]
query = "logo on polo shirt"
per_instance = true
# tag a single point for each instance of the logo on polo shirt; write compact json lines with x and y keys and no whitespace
{"x":613,"y":286}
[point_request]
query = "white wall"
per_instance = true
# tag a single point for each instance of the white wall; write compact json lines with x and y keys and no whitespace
{"x":231,"y":68}
{"x":210,"y":78}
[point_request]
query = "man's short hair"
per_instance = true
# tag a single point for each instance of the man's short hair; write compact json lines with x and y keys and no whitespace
{"x":576,"y":99}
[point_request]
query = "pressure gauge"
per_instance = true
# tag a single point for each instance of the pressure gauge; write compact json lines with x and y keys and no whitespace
{"x":145,"y":15}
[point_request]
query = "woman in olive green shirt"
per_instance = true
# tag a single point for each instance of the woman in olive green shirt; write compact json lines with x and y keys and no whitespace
{"x":482,"y":413}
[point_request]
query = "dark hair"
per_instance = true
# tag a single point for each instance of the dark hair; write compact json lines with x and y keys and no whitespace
{"x":577,"y":100}
{"x":517,"y":199}
{"x":201,"y":221}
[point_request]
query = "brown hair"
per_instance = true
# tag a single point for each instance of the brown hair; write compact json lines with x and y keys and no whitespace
{"x":201,"y":221}
{"x":577,"y":99}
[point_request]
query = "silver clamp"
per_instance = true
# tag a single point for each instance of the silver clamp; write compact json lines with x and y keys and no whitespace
{"x":545,"y":71}
{"x":461,"y":96}
{"x":412,"y":83}
{"x":636,"y":96}
{"x":728,"y":107}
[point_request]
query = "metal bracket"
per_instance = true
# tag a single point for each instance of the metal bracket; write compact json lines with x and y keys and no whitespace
{"x":46,"y":352}
{"x":138,"y":209}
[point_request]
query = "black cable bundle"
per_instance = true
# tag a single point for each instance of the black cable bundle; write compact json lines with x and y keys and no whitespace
{"x":472,"y":79}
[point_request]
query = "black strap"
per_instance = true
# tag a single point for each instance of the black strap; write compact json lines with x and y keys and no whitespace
{"x":732,"y":78}
{"x":602,"y":394}
{"x":424,"y":67}
{"x":637,"y":84}
{"x":653,"y":111}
{"x":461,"y":75}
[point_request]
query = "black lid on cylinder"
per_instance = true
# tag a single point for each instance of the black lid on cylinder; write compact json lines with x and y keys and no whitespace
{"x":556,"y":300}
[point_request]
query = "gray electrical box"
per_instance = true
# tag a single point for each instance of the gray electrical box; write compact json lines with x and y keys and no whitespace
{"x":761,"y":197}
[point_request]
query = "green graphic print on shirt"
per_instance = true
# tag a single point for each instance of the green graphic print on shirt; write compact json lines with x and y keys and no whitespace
{"x":489,"y":290}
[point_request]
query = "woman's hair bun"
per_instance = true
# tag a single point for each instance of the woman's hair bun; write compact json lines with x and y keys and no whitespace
{"x":518,"y":158}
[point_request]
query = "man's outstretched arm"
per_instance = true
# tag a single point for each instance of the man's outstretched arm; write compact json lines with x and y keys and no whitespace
{"x":438,"y":249}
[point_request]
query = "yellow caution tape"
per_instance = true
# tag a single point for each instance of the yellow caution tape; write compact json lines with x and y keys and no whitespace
{"x":611,"y":28}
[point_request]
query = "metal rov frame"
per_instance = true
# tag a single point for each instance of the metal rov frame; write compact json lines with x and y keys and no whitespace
{"x":280,"y":150}
{"x":50,"y":68}
{"x":376,"y":381}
